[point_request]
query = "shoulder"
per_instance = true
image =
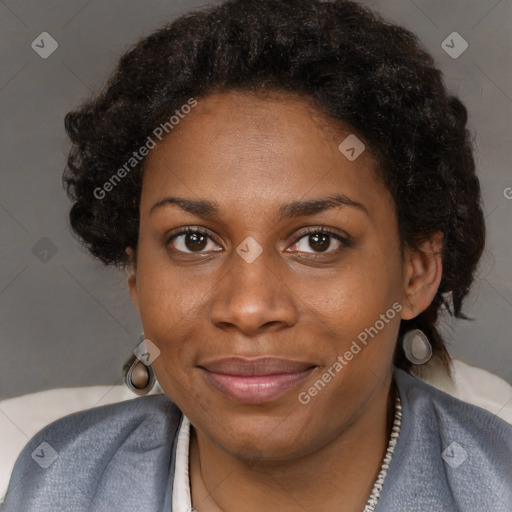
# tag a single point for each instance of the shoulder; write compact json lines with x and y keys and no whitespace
{"x":450,"y":453}
{"x":110,"y":455}
{"x":438,"y":411}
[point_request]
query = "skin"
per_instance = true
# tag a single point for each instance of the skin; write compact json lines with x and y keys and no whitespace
{"x":251,"y":155}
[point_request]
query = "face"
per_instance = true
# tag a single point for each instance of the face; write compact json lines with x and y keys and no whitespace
{"x":293,"y":254}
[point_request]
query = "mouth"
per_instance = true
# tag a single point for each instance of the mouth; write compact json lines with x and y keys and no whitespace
{"x":254,"y":381}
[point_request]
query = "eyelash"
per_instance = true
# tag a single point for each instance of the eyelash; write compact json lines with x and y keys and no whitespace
{"x":345,"y":241}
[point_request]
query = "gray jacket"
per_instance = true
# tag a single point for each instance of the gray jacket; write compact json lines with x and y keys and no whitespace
{"x":450,"y":456}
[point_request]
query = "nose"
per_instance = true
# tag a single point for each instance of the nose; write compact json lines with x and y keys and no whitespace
{"x":253,"y":297}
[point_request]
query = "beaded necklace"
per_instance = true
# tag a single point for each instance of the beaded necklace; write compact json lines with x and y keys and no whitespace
{"x":393,"y":438}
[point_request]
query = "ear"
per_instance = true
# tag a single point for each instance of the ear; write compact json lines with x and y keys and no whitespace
{"x":423,"y":270}
{"x":132,"y":277}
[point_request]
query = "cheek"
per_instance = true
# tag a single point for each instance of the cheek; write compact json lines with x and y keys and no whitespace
{"x":358,"y":310}
{"x":354,"y":295}
{"x":170,"y":311}
{"x":165,"y":293}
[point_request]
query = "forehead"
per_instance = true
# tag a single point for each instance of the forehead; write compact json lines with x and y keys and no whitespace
{"x":239,"y":147}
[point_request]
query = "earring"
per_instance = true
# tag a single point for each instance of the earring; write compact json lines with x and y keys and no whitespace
{"x":139,"y":377}
{"x":417,"y":347}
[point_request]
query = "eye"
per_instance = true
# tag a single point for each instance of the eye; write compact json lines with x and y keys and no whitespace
{"x":191,"y":240}
{"x":313,"y":240}
{"x":320,"y":240}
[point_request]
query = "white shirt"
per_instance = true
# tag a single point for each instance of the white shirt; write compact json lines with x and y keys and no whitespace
{"x":181,"y":501}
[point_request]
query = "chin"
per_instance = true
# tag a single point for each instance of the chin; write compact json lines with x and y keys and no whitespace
{"x":260,"y":438}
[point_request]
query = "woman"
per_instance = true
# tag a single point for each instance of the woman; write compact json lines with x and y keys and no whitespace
{"x":293,"y":191}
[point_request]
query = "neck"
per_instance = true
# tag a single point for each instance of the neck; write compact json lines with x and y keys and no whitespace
{"x":339,"y":475}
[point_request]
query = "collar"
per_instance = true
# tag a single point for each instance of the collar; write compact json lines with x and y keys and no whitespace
{"x":181,"y":501}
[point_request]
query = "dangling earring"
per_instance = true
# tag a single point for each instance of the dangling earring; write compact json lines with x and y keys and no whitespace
{"x":417,"y":347}
{"x":138,"y":376}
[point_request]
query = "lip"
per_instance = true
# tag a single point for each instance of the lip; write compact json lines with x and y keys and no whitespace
{"x":258,"y":380}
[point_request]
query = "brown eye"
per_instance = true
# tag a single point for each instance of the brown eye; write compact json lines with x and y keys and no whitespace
{"x":319,"y":241}
{"x":195,"y":241}
{"x":191,"y":241}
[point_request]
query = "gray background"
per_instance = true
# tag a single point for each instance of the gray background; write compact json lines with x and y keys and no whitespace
{"x":69,"y":321}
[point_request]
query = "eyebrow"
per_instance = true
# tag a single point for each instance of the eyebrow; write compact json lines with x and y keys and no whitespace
{"x":291,"y":210}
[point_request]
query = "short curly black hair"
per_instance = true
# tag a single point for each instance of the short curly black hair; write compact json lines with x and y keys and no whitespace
{"x":358,"y":68}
